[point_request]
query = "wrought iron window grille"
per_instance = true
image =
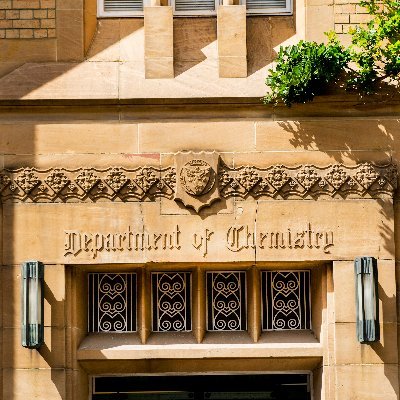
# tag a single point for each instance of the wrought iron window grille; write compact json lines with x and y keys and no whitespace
{"x":226,"y":301}
{"x":112,"y":302}
{"x":171,"y":301}
{"x":286,"y":302}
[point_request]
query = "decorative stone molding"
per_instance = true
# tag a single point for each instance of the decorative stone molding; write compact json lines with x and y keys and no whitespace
{"x":148,"y":183}
{"x":87,"y":184}
{"x":196,"y":184}
{"x":309,"y":181}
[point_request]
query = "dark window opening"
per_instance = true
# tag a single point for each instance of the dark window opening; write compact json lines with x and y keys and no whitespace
{"x":203,"y":387}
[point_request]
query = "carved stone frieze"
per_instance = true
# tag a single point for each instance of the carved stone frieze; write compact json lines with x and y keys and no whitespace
{"x":87,"y":184}
{"x":197,"y":180}
{"x":309,"y":181}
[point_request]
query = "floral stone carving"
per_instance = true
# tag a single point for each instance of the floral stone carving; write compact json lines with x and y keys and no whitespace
{"x":197,"y":180}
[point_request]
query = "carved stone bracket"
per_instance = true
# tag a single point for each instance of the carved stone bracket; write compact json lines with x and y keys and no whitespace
{"x":148,"y":183}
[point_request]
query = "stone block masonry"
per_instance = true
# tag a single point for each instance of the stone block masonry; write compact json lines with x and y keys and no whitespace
{"x":27,"y":19}
{"x":349,"y":14}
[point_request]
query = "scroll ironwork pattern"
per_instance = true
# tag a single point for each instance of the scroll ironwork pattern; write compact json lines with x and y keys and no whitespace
{"x":226,"y":295}
{"x":171,"y":301}
{"x":286,"y":300}
{"x":112,"y":302}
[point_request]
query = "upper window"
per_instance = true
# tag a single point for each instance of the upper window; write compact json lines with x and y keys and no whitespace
{"x":132,"y":8}
{"x":112,"y":302}
{"x":286,"y":300}
{"x":171,"y":301}
{"x":226,"y":298}
{"x":220,"y":297}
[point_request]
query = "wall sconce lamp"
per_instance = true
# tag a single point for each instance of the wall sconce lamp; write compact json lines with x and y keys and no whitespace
{"x":367,"y":308}
{"x":32,"y":296}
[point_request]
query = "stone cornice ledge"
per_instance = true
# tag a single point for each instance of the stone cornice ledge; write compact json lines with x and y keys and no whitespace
{"x":182,"y":351}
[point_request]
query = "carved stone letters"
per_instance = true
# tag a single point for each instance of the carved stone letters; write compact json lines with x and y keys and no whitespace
{"x":238,"y":238}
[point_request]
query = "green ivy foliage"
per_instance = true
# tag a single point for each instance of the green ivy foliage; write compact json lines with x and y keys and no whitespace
{"x":305,"y":70}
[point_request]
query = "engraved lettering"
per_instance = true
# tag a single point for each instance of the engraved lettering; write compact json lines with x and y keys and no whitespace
{"x":130,"y":235}
{"x":72,"y":243}
{"x":328,"y":241}
{"x":86,"y":241}
{"x":176,"y":234}
{"x":75,"y":241}
{"x":238,"y":238}
{"x":299,"y":241}
{"x":233,"y":238}
{"x":200,"y":242}
{"x":262,"y":238}
{"x":250,"y":239}
{"x":318,"y":236}
{"x":156,"y":239}
{"x":310,"y":238}
{"x":98,"y":244}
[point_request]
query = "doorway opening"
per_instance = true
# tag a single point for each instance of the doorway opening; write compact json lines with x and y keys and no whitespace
{"x":203,"y":387}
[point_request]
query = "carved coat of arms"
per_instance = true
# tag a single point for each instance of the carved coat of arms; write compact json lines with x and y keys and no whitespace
{"x":196,"y":184}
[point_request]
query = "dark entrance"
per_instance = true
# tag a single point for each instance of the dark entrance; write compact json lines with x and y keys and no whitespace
{"x":203,"y":387}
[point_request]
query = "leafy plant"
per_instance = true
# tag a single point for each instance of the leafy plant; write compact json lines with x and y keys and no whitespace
{"x":306,"y":69}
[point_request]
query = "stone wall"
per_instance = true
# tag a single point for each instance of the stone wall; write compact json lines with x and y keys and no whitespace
{"x":27,"y":19}
{"x":342,"y":367}
{"x":348,"y":14}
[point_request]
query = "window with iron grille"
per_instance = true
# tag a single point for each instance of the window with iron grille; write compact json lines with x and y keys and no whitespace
{"x":120,"y":8}
{"x":268,"y":6}
{"x":226,"y":301}
{"x":112,"y":302}
{"x":134,"y":8}
{"x":171,"y":301}
{"x":286,"y":300}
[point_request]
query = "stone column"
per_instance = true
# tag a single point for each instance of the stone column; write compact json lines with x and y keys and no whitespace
{"x":232,"y":51}
{"x":158,"y":41}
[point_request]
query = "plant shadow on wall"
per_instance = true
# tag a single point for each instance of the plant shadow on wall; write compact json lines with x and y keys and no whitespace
{"x":263,"y":34}
{"x":369,"y":65}
{"x":344,"y":140}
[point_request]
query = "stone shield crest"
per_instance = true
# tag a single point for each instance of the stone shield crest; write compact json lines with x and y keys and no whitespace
{"x":197,"y":177}
{"x":196,"y":183}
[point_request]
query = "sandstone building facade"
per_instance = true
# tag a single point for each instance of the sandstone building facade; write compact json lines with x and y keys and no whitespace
{"x":195,"y":242}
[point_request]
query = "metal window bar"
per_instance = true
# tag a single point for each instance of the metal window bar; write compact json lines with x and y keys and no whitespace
{"x":134,"y":8}
{"x":120,"y":8}
{"x":268,"y":7}
{"x":171,"y":301}
{"x":194,"y":7}
{"x":112,"y":302}
{"x":226,"y":301}
{"x":286,"y":300}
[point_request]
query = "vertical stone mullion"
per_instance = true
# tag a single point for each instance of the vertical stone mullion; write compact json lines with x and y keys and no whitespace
{"x":198,"y":306}
{"x":253,"y":304}
{"x":144,"y":304}
{"x":158,"y":42}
